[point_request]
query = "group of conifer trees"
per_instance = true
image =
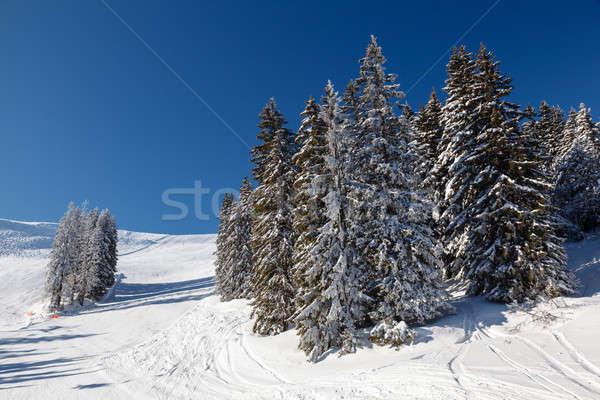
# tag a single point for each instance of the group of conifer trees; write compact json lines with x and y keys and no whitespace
{"x":83,"y":258}
{"x":359,"y":217}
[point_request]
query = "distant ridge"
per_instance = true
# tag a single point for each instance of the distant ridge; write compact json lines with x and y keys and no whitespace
{"x":21,"y":238}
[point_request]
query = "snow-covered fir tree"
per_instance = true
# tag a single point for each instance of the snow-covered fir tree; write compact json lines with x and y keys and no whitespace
{"x":457,"y":121}
{"x":221,"y":252}
{"x":329,"y":295}
{"x":387,"y":216}
{"x":77,"y":230}
{"x":568,"y":136}
{"x":235,"y":279}
{"x":586,"y":130}
{"x":577,"y":191}
{"x":308,"y":215}
{"x":549,"y":127}
{"x":82,"y":261}
{"x":63,"y":260}
{"x":89,"y":224}
{"x":102,"y":256}
{"x":499,"y":226}
{"x":272,"y":238}
{"x":407,"y":113}
{"x":428,"y":133}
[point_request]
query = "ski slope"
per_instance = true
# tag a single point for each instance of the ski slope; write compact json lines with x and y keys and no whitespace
{"x":162,"y":334}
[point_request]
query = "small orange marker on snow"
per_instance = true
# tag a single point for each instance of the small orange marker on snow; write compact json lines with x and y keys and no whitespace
{"x":54,"y":316}
{"x":30,"y":313}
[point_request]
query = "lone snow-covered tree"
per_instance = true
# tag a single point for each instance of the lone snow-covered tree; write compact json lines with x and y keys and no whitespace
{"x":221,"y":252}
{"x":499,"y":226}
{"x":272,"y":237}
{"x":329,"y":293}
{"x":235,"y":278}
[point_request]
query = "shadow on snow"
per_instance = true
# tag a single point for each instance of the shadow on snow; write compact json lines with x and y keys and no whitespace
{"x":129,"y":295}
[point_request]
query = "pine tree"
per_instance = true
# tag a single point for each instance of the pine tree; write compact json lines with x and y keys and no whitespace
{"x":550,"y":126}
{"x":62,"y":260}
{"x":568,"y":137}
{"x":500,"y":228}
{"x":458,"y":133}
{"x":112,"y":237}
{"x":388,"y":215}
{"x":76,"y":232}
{"x":329,"y":298}
{"x":221,"y":242}
{"x":272,"y":237}
{"x":88,"y":226}
{"x":407,"y":113}
{"x":308,"y":215}
{"x":428,"y":133}
{"x":577,"y":191}
{"x":586,"y":131}
{"x":102,"y":257}
{"x":235,"y":279}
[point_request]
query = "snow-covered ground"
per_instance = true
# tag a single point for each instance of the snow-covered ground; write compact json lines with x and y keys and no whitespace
{"x":161,"y":333}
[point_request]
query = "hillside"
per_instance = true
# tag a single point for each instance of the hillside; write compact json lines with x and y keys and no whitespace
{"x":161,"y":333}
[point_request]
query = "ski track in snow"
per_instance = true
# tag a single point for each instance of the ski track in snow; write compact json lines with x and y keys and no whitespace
{"x":162,"y":334}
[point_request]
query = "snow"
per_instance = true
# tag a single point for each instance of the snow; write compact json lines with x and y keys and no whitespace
{"x":161,"y":333}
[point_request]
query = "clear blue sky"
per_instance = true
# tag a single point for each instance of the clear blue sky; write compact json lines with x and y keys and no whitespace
{"x":88,"y":112}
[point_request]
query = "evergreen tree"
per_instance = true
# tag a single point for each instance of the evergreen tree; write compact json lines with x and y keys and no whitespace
{"x":568,"y":137}
{"x":308,"y":215}
{"x":112,"y":237}
{"x":550,"y":126}
{"x":221,"y":242}
{"x":500,"y":228}
{"x":235,"y":279}
{"x":429,"y":129}
{"x":387,"y":215}
{"x":62,"y":259}
{"x":587,"y":133}
{"x":83,"y":257}
{"x":329,"y":296}
{"x":272,"y":237}
{"x":407,"y":113}
{"x":77,"y":233}
{"x":102,"y":256}
{"x":458,"y":129}
{"x":88,"y":227}
{"x":577,"y":191}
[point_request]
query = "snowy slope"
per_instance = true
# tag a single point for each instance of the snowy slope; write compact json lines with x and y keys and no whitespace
{"x":162,"y":334}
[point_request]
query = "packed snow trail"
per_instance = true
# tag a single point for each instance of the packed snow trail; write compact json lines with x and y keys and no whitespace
{"x":162,"y":334}
{"x":163,"y":277}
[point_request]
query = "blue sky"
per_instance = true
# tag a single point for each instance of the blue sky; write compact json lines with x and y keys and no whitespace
{"x":87,"y":112}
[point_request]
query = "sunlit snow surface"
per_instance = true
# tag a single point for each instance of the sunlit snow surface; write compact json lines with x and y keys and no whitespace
{"x":161,"y":333}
